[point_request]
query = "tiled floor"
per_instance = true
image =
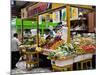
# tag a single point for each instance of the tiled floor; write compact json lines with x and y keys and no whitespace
{"x":35,"y":70}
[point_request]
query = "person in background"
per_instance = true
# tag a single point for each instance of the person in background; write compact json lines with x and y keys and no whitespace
{"x":15,"y":55}
{"x":52,"y":32}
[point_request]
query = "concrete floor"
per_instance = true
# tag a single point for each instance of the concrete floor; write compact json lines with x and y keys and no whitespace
{"x":17,"y":71}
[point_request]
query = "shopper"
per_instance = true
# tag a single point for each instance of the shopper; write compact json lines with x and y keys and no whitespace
{"x":15,"y":55}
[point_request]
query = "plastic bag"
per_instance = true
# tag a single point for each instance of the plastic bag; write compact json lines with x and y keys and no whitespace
{"x":21,"y":65}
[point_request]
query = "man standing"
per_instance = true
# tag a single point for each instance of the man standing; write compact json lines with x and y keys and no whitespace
{"x":15,"y":55}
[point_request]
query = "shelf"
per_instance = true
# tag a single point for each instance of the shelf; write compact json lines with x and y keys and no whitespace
{"x":31,"y":52}
{"x":77,"y":19}
{"x":79,"y":31}
{"x":89,"y":7}
{"x":32,"y":62}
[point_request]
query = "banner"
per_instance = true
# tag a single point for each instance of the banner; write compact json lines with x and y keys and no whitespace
{"x":40,"y":19}
{"x":40,"y":7}
{"x":56,"y":17}
{"x":63,"y":14}
{"x":74,"y":13}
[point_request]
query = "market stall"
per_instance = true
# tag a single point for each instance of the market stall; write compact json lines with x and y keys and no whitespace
{"x":62,"y":35}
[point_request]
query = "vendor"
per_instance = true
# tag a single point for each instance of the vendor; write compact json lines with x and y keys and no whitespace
{"x":14,"y":50}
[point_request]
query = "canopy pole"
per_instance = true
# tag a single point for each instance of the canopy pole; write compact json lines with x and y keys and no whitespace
{"x":37,"y":31}
{"x":22,"y":31}
{"x":68,"y":23}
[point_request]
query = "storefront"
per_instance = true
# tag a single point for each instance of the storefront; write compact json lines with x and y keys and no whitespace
{"x":60,"y":37}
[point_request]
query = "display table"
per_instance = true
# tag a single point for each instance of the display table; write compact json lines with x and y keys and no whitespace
{"x":67,"y":64}
{"x":60,"y":65}
{"x":83,"y":57}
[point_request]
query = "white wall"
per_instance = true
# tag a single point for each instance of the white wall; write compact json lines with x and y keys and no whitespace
{"x":13,"y":26}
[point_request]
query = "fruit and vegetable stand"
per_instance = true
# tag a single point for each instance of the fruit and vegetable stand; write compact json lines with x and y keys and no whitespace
{"x":65,"y":55}
{"x":62,"y":54}
{"x":62,"y":63}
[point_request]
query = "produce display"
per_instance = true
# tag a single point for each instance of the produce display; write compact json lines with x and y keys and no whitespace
{"x":84,"y":44}
{"x":30,"y":48}
{"x":42,"y":40}
{"x":30,"y":40}
{"x":62,"y":52}
{"x":57,"y":44}
{"x":89,"y":48}
{"x":53,"y":43}
{"x":39,"y":49}
{"x":33,"y":39}
{"x":79,"y":45}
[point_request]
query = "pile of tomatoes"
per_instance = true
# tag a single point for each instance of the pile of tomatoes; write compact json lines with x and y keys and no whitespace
{"x":88,"y":48}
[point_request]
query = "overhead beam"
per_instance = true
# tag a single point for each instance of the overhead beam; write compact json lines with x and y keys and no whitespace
{"x":90,"y":7}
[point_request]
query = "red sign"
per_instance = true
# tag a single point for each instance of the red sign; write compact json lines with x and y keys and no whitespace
{"x":40,"y":8}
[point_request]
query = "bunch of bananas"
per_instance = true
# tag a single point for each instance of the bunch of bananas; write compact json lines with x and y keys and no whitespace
{"x":39,"y":49}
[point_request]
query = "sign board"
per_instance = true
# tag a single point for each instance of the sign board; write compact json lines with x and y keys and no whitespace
{"x":40,"y":19}
{"x":56,"y":17}
{"x":23,"y":13}
{"x":63,"y":14}
{"x":40,"y":7}
{"x":74,"y":13}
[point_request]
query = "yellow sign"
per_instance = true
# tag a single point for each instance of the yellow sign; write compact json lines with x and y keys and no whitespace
{"x":57,"y":5}
{"x":74,"y":13}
